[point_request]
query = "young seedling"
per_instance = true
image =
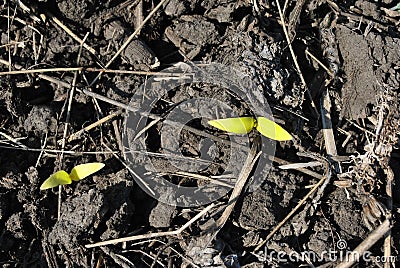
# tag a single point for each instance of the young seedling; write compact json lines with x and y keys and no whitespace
{"x":77,"y":173}
{"x":243,"y":125}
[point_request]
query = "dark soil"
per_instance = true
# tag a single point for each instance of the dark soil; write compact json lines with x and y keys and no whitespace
{"x":358,"y":42}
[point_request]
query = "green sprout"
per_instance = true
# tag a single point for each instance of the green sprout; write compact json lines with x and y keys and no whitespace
{"x":77,"y":173}
{"x":243,"y":125}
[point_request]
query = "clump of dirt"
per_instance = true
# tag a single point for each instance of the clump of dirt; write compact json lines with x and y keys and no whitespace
{"x":368,"y":63}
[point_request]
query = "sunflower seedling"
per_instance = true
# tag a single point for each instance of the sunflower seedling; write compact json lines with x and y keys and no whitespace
{"x":77,"y":173}
{"x":243,"y":125}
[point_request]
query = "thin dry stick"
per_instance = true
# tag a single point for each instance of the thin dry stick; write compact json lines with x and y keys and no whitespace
{"x":139,"y":14}
{"x":329,"y":137}
{"x":99,"y":261}
{"x":201,"y":177}
{"x":320,"y":63}
{"x":13,"y":43}
{"x":361,"y":128}
{"x":301,"y":165}
{"x":118,"y":138}
{"x":303,"y":81}
{"x":131,"y":37}
{"x":41,"y":152}
{"x":26,"y":9}
{"x":22,"y":22}
{"x":237,"y":190}
{"x":155,"y":258}
{"x":294,"y":210}
{"x":170,"y":246}
{"x":387,"y":245}
{"x":62,"y":69}
{"x":372,"y":238}
{"x":8,"y":37}
{"x":172,"y":156}
{"x":93,"y":125}
{"x":76,"y":153}
{"x":35,"y":54}
{"x":301,"y":169}
{"x":88,"y":69}
{"x":153,"y":235}
{"x":72,"y":34}
{"x":148,"y":126}
{"x":130,"y":170}
{"x":13,"y":140}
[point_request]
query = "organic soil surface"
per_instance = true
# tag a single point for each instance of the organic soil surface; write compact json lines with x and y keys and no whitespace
{"x":132,"y":84}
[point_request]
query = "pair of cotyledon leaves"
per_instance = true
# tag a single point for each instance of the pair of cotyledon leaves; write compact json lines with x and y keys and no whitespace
{"x":77,"y":173}
{"x":243,"y":125}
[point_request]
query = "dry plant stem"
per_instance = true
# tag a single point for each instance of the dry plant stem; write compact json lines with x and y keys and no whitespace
{"x":75,"y":153}
{"x":237,"y":190}
{"x":121,"y":262}
{"x":324,"y":178}
{"x":155,"y":259}
{"x":13,"y":140}
{"x":93,"y":125}
{"x":63,"y":69}
{"x":294,"y":17}
{"x":387,"y":246}
{"x":153,"y":235}
{"x":320,"y":63}
{"x":294,"y":56}
{"x":99,"y":261}
{"x":118,"y":138}
{"x":130,"y":170}
{"x":49,"y":253}
{"x":148,"y":126}
{"x":22,"y":22}
{"x":131,"y":37}
{"x":283,"y":109}
{"x":41,"y":152}
{"x":139,"y":14}
{"x":361,"y":128}
{"x":72,"y":34}
{"x":301,"y":165}
{"x":384,"y":162}
{"x":372,"y":238}
{"x":86,"y":69}
{"x":173,"y":156}
{"x":163,"y":243}
{"x":8,"y":37}
{"x":329,"y":137}
{"x":301,"y":169}
{"x":26,"y":9}
{"x":201,"y":177}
